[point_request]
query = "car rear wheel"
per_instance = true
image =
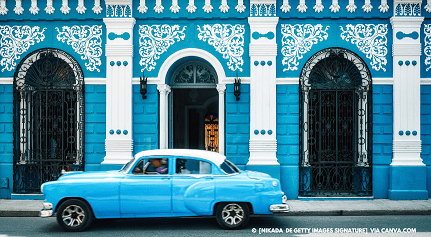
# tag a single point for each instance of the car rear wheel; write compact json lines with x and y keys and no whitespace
{"x":232,"y":215}
{"x":74,"y":215}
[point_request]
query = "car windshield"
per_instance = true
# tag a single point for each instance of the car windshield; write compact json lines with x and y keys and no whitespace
{"x":127,"y":166}
{"x":229,"y":168}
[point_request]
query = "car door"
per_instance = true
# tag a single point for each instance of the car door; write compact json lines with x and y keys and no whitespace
{"x":146,"y":193}
{"x":192,"y":186}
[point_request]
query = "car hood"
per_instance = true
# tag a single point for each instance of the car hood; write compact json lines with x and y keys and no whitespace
{"x":256,"y":175}
{"x":91,"y":175}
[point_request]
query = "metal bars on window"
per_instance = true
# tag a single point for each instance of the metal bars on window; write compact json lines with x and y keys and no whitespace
{"x":335,"y":118}
{"x":48,"y":118}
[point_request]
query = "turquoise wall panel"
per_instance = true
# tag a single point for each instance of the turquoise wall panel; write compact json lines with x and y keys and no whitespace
{"x":95,"y":126}
{"x":145,"y":119}
{"x":238,"y":125}
{"x":6,"y":140}
{"x":426,"y":131}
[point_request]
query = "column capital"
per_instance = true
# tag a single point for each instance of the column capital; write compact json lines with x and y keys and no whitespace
{"x":164,"y":89}
{"x":221,"y":88}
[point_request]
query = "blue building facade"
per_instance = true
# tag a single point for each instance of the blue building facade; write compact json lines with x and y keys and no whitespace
{"x":331,"y":97}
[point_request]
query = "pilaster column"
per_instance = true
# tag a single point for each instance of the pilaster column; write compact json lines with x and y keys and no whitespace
{"x":221,"y":88}
{"x":164,"y":91}
{"x":407,"y":171}
{"x":119,"y":58}
{"x":263,"y":53}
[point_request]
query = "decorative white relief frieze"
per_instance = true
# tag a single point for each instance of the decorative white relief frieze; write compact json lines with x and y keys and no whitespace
{"x":158,"y":8}
{"x":86,"y":41}
{"x":285,"y":7}
{"x":207,"y":7}
{"x":81,"y":8}
{"x":175,"y":8}
{"x":142,"y":7}
{"x":18,"y":7}
{"x":319,"y":6}
{"x":367,"y":6}
{"x":3,"y":9}
{"x":228,"y":40}
{"x":302,"y":7}
{"x":427,"y":46}
{"x":97,"y":9}
{"x":334,"y":7}
{"x":34,"y":9}
{"x":351,"y":7}
{"x":49,"y":9}
{"x":224,"y":7}
{"x":262,"y":10}
{"x":118,"y":11}
{"x":240,"y":7}
{"x":384,"y":7}
{"x":155,"y":40}
{"x":370,"y":40}
{"x":15,"y":41}
{"x":297,"y":40}
{"x":191,"y":7}
{"x":65,"y":9}
{"x":407,"y":9}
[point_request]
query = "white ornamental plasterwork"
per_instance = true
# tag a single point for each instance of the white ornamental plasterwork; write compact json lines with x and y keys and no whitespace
{"x":427,"y":46}
{"x":370,"y":40}
{"x":297,"y":40}
{"x":86,"y":41}
{"x":18,"y":7}
{"x":16,"y":40}
{"x":155,"y":40}
{"x":226,"y":39}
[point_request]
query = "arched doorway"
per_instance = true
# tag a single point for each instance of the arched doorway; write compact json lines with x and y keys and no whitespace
{"x":335,"y":117}
{"x":193,"y":114}
{"x":48,"y":118}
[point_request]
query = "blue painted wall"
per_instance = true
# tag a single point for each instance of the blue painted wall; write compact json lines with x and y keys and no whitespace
{"x":382,"y":138}
{"x":145,"y":119}
{"x":288,"y":138}
{"x":95,"y":126}
{"x":6,"y":140}
{"x":238,"y":125}
{"x":426,"y":132}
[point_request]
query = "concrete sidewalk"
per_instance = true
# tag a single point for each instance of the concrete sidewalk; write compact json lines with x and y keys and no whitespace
{"x":303,"y":207}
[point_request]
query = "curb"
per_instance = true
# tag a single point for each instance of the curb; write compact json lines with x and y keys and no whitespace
{"x":19,"y":213}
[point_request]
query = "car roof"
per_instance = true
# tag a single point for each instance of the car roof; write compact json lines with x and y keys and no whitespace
{"x":214,"y":157}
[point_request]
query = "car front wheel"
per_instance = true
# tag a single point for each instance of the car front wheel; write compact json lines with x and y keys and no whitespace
{"x":74,"y":215}
{"x":232,"y":215}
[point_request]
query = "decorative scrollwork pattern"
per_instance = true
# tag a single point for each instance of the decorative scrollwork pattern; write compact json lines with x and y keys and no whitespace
{"x":155,"y":40}
{"x":370,"y":40}
{"x":16,"y":40}
{"x":298,"y":40}
{"x":86,"y":41}
{"x":427,"y":48}
{"x":228,"y":40}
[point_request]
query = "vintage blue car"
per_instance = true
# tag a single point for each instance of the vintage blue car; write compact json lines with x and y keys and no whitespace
{"x":164,"y":183}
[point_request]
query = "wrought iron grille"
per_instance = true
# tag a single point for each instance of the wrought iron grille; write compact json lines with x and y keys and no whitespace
{"x":48,"y":118}
{"x":335,"y":132}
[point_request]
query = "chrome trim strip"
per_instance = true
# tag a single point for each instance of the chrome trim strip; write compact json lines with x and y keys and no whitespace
{"x":279,"y":208}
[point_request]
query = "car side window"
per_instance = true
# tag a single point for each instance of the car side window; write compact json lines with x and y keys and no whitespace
{"x":139,"y":168}
{"x":157,"y":166}
{"x":192,"y":166}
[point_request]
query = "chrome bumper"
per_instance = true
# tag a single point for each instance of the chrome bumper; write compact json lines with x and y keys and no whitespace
{"x":47,"y":210}
{"x":280,"y":207}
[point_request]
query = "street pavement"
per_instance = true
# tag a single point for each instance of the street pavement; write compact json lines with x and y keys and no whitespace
{"x":301,"y":207}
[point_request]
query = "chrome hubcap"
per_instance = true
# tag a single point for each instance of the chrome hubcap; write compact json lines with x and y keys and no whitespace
{"x":232,"y":214}
{"x":73,"y":216}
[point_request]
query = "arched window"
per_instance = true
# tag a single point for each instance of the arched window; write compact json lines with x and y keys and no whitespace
{"x":335,"y":113}
{"x":49,"y":118}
